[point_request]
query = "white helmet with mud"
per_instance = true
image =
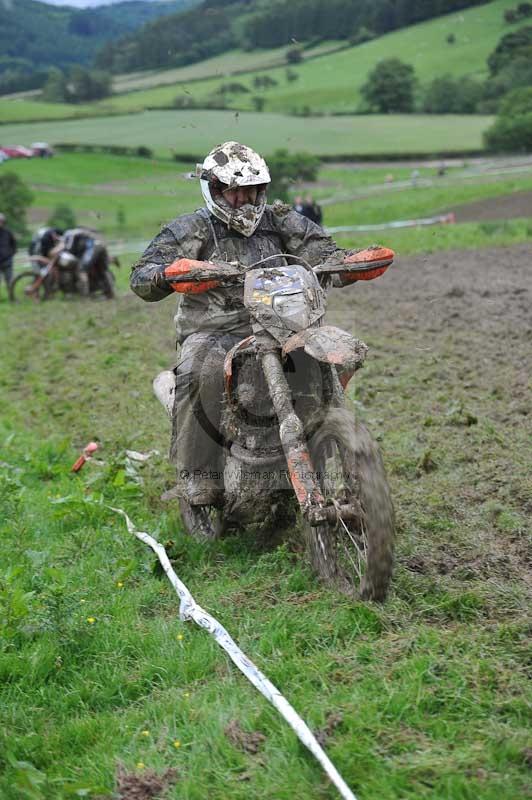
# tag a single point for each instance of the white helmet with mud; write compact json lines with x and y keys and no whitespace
{"x":229,"y":166}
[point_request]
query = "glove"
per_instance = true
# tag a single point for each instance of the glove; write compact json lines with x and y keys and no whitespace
{"x":187,"y":266}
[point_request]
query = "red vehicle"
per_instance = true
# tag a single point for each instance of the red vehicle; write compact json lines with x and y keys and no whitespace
{"x":17,"y":151}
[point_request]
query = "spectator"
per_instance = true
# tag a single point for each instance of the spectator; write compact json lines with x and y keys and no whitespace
{"x":308,"y":208}
{"x":8,"y":248}
{"x":298,"y":205}
{"x":312,"y":210}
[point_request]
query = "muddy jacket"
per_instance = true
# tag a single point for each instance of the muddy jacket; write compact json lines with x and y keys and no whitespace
{"x":201,"y":236}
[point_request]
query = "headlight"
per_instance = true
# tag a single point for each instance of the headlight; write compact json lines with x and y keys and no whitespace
{"x":293,"y":309}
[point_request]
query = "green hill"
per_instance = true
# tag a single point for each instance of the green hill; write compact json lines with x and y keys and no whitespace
{"x":332,"y":82}
{"x":34,"y":36}
{"x":220,"y":25}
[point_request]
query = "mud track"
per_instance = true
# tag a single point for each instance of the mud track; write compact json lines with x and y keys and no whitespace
{"x":509,"y":206}
{"x":446,"y":388}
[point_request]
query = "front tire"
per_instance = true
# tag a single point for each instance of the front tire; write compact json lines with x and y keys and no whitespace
{"x":23,"y":288}
{"x":354,"y":555}
{"x":203,"y":523}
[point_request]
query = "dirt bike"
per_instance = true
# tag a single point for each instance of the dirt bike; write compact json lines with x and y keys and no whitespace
{"x":291,"y":447}
{"x":64,"y":274}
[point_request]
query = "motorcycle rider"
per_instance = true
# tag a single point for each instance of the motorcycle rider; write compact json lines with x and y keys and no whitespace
{"x":44,"y":241}
{"x":236,"y":225}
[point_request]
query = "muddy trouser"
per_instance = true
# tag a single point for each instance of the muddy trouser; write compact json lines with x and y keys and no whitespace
{"x":6,"y":270}
{"x":197,"y":443}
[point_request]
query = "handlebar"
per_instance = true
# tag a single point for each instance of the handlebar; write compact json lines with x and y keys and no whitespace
{"x":189,"y":276}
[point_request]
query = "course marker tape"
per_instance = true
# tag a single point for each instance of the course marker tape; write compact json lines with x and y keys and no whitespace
{"x":443,"y":219}
{"x":189,"y":609}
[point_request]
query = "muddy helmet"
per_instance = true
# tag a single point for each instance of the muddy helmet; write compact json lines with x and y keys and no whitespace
{"x":230,"y":165}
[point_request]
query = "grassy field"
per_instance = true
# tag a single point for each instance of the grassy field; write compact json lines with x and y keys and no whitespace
{"x":96,"y":671}
{"x":14,"y":111}
{"x":198,"y":131}
{"x":128,"y":199}
{"x":429,"y":690}
{"x":233,"y":62}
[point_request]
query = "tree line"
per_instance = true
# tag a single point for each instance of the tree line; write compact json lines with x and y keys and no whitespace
{"x":219,"y":25}
{"x":35,"y":36}
{"x":281,"y":22}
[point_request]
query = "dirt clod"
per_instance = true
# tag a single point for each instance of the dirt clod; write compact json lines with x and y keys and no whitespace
{"x":143,"y":785}
{"x":251,"y":742}
{"x":332,"y":722}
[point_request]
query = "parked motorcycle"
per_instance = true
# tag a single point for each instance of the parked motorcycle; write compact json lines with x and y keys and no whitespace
{"x":291,"y":447}
{"x":64,"y":273}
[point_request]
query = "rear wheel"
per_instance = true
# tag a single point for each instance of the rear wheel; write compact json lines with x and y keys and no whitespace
{"x":28,"y":287}
{"x":203,"y":523}
{"x":356,"y":555}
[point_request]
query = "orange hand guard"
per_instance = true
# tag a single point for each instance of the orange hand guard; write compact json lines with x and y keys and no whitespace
{"x":368,"y":264}
{"x":184,"y":266}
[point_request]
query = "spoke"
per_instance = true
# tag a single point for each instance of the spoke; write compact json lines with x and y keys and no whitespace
{"x":356,"y":567}
{"x":358,"y":550}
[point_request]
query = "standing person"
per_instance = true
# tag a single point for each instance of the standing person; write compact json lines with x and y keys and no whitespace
{"x":8,"y":248}
{"x":298,"y":205}
{"x":312,"y":210}
{"x":236,"y":225}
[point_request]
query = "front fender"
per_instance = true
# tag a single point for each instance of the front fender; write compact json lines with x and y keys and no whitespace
{"x":331,"y":345}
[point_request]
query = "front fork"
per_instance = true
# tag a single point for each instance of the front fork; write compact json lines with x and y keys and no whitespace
{"x":300,"y":468}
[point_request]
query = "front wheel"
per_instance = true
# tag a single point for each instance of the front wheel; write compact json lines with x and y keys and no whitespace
{"x":28,"y":287}
{"x":203,"y":523}
{"x":355,"y":555}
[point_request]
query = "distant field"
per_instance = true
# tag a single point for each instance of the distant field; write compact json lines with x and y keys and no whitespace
{"x":22,"y":110}
{"x":198,"y":131}
{"x":332,"y":83}
{"x":218,"y":66}
{"x":128,"y":199}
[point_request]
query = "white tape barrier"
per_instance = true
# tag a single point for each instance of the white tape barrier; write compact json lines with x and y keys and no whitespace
{"x":189,"y":609}
{"x":443,"y":219}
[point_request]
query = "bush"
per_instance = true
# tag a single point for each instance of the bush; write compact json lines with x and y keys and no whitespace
{"x":517,"y":102}
{"x":264,"y":82}
{"x":510,"y":135}
{"x":55,"y":90}
{"x":447,"y":95}
{"x":15,"y":199}
{"x":86,"y":85}
{"x":513,"y":45}
{"x":294,"y":55}
{"x":286,"y":168}
{"x":113,"y":149}
{"x":512,"y":130}
{"x":523,"y":10}
{"x":515,"y":74}
{"x":232,"y":88}
{"x":362,"y":35}
{"x":390,"y":87}
{"x":62,"y":217}
{"x":258,"y":103}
